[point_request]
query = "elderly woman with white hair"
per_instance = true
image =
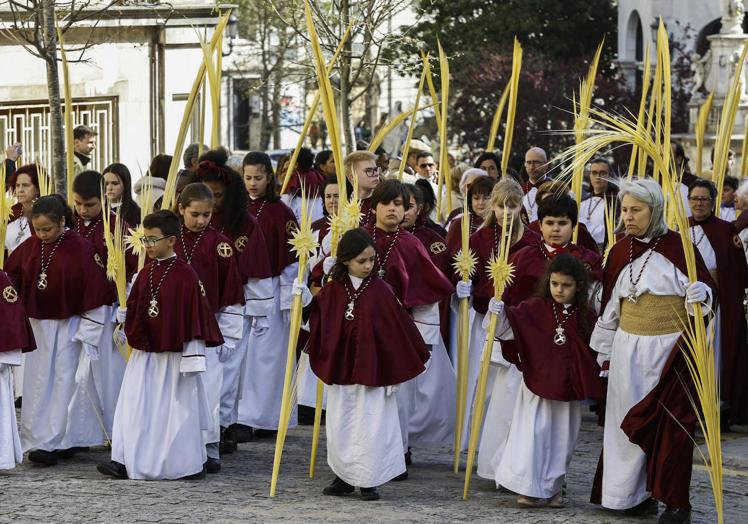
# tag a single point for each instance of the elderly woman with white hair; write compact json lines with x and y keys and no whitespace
{"x":649,"y":420}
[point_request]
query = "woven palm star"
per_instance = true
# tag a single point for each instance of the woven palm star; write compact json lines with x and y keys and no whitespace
{"x":464,"y":263}
{"x":134,"y":241}
{"x":303,"y":242}
{"x":501,"y":273}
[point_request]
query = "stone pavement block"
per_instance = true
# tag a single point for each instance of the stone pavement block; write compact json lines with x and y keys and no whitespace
{"x":75,"y":492}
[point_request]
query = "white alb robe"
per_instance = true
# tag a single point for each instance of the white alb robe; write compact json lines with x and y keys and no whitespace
{"x":258,"y":302}
{"x":710,"y":261}
{"x":108,"y":369}
{"x":11,"y":452}
{"x":592,"y":215}
{"x":293,"y":201}
{"x":636,"y":364}
{"x":529,"y":202}
{"x":264,"y":367}
{"x":161,"y":413}
{"x":60,"y":406}
{"x":728,"y":213}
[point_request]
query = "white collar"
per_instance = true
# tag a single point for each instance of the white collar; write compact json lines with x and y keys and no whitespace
{"x":167,"y":258}
{"x":356,"y":281}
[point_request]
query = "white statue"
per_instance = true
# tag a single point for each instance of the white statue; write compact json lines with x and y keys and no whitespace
{"x":699,"y":68}
{"x":733,"y":12}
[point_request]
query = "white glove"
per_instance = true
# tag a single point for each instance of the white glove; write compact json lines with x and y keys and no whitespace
{"x":464,"y":289}
{"x":260,"y":326}
{"x":389,"y":390}
{"x":91,"y":351}
{"x":495,"y":306}
{"x":604,"y":373}
{"x":224,"y":353}
{"x":120,"y":315}
{"x":188,"y":374}
{"x":328,"y":263}
{"x":303,"y":291}
{"x":696,"y":292}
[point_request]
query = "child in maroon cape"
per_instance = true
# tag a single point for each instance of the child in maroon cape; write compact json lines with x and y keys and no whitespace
{"x":557,"y":216}
{"x":64,"y":291}
{"x":304,"y":175}
{"x":404,"y":263}
{"x":211,"y":256}
{"x":15,"y":337}
{"x":231,"y":218}
{"x":108,"y":368}
{"x":550,"y":335}
{"x":264,"y":366}
{"x":163,"y":406}
{"x":354,"y":320}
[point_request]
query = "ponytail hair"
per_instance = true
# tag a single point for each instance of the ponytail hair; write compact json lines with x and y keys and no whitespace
{"x":351,"y":245}
{"x":54,"y":208}
{"x":213,"y":168}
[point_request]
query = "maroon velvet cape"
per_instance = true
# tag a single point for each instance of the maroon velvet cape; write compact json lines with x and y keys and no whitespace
{"x":184,"y":313}
{"x":75,"y":283}
{"x":414,"y":278}
{"x":323,"y":226}
{"x":218,"y":274}
{"x":380,"y":347}
{"x":278,"y":224}
{"x":94,"y":233}
{"x":15,"y":330}
{"x":732,"y":279}
{"x":584,"y":239}
{"x":566,"y":372}
{"x":311,"y":179}
{"x":367,"y":217}
{"x":249,"y":247}
{"x":656,"y":424}
{"x":483,"y":245}
{"x":741,"y":222}
{"x":531,"y":263}
{"x":454,"y":235}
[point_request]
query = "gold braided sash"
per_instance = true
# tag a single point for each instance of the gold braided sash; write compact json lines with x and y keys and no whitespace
{"x":653,"y":315}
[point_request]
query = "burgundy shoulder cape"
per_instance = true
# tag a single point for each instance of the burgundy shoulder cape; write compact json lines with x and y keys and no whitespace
{"x":278,"y":224}
{"x":75,"y":283}
{"x":530,"y":264}
{"x":215,"y":264}
{"x":321,"y":225}
{"x":15,"y":330}
{"x":381,"y":346}
{"x":454,"y":234}
{"x":732,"y":279}
{"x":566,"y":372}
{"x":663,"y":422}
{"x":436,"y":247}
{"x":483,"y":245}
{"x":184,"y":313}
{"x":584,"y":237}
{"x":311,"y":179}
{"x":249,"y":246}
{"x":414,"y":278}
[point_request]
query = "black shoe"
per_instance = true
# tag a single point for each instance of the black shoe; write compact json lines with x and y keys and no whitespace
{"x":65,"y":453}
{"x":408,"y":458}
{"x":403,"y":476}
{"x":306,"y":416}
{"x":338,"y":488}
{"x":45,"y":458}
{"x":675,"y":516}
{"x":19,"y":402}
{"x":265,"y":433}
{"x":369,"y":494}
{"x":648,"y":507}
{"x":228,"y":441}
{"x":212,"y":465}
{"x":112,"y":469}
{"x":241,"y":433}
{"x":197,"y":476}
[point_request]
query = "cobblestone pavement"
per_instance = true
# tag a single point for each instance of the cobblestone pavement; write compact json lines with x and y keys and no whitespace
{"x":75,"y":492}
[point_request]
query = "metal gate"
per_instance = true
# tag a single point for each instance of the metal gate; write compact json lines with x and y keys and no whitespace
{"x":28,"y":123}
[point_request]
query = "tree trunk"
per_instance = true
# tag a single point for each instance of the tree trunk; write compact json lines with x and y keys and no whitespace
{"x":345,"y":87}
{"x":56,"y":131}
{"x":277,"y":108}
{"x":265,"y":116}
